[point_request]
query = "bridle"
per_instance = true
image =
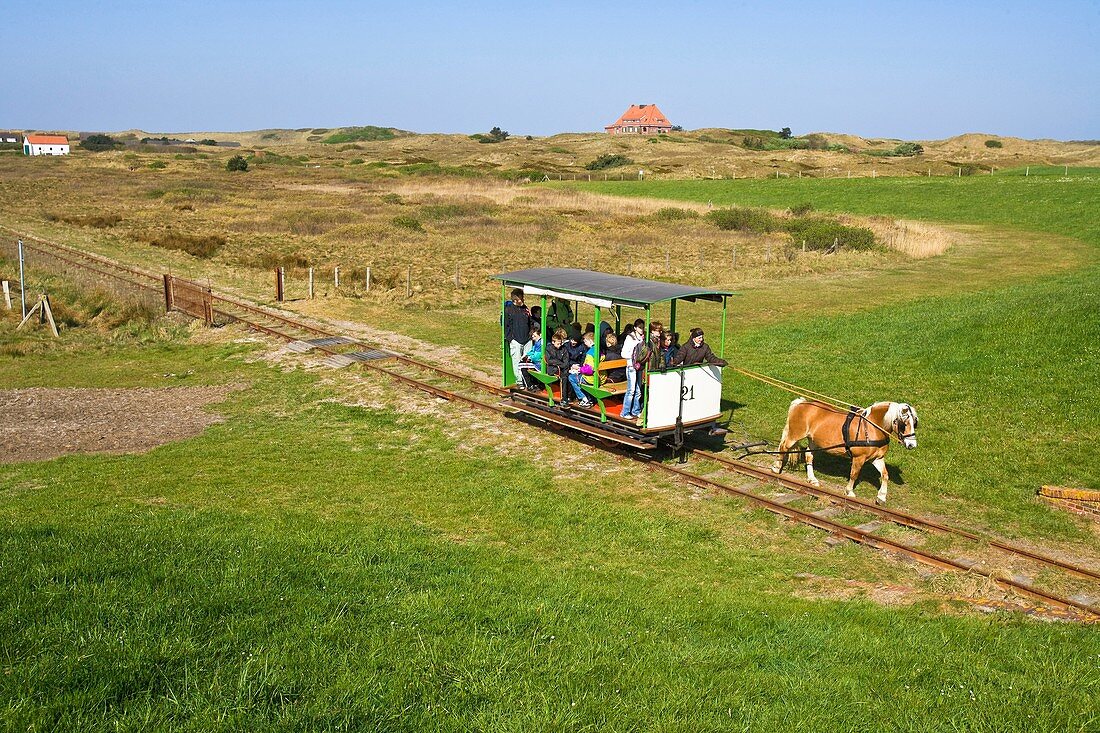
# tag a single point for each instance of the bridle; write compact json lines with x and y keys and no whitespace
{"x":899,"y":425}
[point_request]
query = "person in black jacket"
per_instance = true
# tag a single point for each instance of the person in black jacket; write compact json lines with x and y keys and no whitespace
{"x":557,"y":358}
{"x":517,"y":327}
{"x":696,"y":352}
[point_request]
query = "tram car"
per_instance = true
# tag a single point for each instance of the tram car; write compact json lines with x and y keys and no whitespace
{"x":674,"y":401}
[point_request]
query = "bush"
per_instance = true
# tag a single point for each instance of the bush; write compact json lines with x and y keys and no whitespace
{"x":358,"y":134}
{"x":195,"y":245}
{"x":744,"y":219}
{"x":785,"y":133}
{"x":99,"y":143}
{"x":208,"y":141}
{"x":97,"y":221}
{"x":672,"y":213}
{"x":820,"y":234}
{"x":607,"y":160}
{"x":994,"y":144}
{"x":158,"y":165}
{"x":802,"y":209}
{"x":237,"y":163}
{"x":408,"y":222}
{"x":907,"y":150}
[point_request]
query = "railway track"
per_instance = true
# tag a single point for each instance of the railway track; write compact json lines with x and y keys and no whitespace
{"x":446,"y":384}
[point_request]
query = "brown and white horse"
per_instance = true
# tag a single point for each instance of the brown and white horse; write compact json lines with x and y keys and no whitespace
{"x":860,"y":434}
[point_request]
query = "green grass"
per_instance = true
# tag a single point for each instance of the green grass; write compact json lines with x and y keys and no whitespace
{"x":311,"y":566}
{"x":1000,"y":362}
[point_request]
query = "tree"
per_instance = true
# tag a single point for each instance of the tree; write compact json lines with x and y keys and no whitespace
{"x":785,"y":133}
{"x":98,"y":143}
{"x":498,"y":135}
{"x":237,"y":163}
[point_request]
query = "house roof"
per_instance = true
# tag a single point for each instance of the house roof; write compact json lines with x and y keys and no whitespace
{"x":643,"y":114}
{"x":47,"y":140}
{"x":618,"y":289}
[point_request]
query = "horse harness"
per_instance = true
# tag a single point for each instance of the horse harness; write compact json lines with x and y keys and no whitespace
{"x":861,"y":430}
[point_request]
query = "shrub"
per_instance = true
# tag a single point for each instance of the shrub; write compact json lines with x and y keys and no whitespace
{"x":754,"y":143}
{"x":785,"y":133}
{"x":208,"y":141}
{"x":392,"y":198}
{"x":820,"y":234}
{"x":359,"y":134}
{"x":994,"y":144}
{"x":673,"y":213}
{"x":237,"y":163}
{"x":99,"y":143}
{"x":744,"y":219}
{"x":907,"y":150}
{"x":802,"y":209}
{"x":607,"y":160}
{"x":158,"y":165}
{"x":408,"y":222}
{"x":195,"y":245}
{"x":97,"y":221}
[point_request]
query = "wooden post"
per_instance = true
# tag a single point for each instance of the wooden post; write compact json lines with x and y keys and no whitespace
{"x":458,"y":280}
{"x":1027,"y":171}
{"x":667,"y":263}
{"x":735,"y":257}
{"x":208,"y":307}
{"x":311,"y":283}
{"x":960,"y":172}
{"x":47,"y":314}
{"x":803,"y":246}
{"x":279,"y":283}
{"x":768,"y":255}
{"x":408,"y":282}
{"x":169,"y":294}
{"x":630,"y":264}
{"x":7,"y":295}
{"x":368,"y":279}
{"x":336,"y":276}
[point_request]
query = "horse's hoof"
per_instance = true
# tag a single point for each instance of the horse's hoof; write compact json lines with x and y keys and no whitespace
{"x":777,"y":469}
{"x":880,"y":502}
{"x":815,"y":483}
{"x":852,"y":494}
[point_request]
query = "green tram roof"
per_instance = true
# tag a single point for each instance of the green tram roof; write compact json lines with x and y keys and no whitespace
{"x":619,"y":289}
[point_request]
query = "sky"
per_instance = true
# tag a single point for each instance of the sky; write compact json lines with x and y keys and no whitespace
{"x":910,"y":70}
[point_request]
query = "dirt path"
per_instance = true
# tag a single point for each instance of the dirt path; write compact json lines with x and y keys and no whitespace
{"x":38,"y":423}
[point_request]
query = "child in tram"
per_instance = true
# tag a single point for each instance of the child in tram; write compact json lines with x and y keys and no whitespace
{"x":557,"y":359}
{"x":584,"y":371}
{"x":611,"y":351}
{"x":532,"y":358}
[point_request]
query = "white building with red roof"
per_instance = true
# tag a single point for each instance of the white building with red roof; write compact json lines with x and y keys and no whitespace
{"x":640,"y":119}
{"x":45,"y":145}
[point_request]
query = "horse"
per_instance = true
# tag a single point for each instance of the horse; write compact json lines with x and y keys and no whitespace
{"x":862,"y":435}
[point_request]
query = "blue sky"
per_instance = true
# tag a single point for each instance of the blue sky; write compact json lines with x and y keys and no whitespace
{"x":886,"y":69}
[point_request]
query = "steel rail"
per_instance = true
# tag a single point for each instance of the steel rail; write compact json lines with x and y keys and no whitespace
{"x":867,"y":538}
{"x":872,"y":540}
{"x":765,"y":475}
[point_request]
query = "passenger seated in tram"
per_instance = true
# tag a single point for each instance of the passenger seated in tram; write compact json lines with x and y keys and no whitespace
{"x":557,"y":357}
{"x":609,"y":352}
{"x":696,"y":352}
{"x":671,"y":347}
{"x":532,"y":358}
{"x":585,"y":371}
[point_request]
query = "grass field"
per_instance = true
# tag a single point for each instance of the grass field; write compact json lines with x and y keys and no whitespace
{"x":307,"y":565}
{"x":340,"y":555}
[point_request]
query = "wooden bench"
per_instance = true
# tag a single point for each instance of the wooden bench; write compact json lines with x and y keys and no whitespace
{"x":606,"y":389}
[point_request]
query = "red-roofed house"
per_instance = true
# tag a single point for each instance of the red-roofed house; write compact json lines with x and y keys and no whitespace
{"x":45,"y":145}
{"x":640,"y":119}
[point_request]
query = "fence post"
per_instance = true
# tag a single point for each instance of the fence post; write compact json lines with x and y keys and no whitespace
{"x":22,"y":282}
{"x":336,"y":276}
{"x":311,"y":283}
{"x":630,"y":264}
{"x":803,"y":246}
{"x":667,"y":262}
{"x":368,"y":279}
{"x":408,"y":282}
{"x":735,"y":257}
{"x":169,"y":296}
{"x":768,"y":255}
{"x":7,"y":295}
{"x":207,"y":307}
{"x":458,"y":280}
{"x":279,"y":284}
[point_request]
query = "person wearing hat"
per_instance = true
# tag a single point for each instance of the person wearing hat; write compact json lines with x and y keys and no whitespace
{"x":695,"y":351}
